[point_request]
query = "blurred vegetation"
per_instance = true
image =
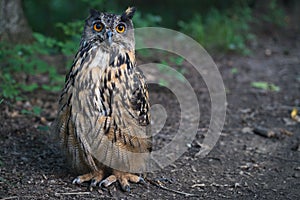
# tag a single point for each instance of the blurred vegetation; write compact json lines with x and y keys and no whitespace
{"x":219,"y":25}
{"x":21,"y":61}
{"x":224,"y":31}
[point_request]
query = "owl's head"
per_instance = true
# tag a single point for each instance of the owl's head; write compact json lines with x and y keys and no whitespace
{"x":110,"y":30}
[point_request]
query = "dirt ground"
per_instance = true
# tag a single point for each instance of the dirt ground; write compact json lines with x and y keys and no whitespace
{"x":242,"y":165}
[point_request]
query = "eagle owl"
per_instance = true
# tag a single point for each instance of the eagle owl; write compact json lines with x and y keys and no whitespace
{"x":103,"y":117}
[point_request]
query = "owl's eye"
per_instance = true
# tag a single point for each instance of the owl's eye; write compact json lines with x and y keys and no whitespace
{"x":121,"y":28}
{"x":98,"y":26}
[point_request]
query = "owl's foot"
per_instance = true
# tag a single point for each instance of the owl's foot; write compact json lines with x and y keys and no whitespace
{"x":123,"y":178}
{"x":94,"y":177}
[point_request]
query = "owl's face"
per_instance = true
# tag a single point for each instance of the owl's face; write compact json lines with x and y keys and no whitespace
{"x":109,"y":29}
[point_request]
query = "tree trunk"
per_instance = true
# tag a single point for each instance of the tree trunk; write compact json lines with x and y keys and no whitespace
{"x":14,"y":27}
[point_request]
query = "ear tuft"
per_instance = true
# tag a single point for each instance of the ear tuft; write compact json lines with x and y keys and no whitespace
{"x":128,"y":14}
{"x":94,"y":12}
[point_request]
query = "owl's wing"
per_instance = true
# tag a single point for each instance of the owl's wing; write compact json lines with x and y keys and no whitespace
{"x":104,"y":116}
{"x":121,"y":140}
{"x":119,"y":137}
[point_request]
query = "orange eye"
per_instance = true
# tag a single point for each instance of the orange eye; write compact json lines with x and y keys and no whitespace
{"x":121,"y":28}
{"x":98,"y":27}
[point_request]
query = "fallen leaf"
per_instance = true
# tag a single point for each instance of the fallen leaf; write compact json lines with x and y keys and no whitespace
{"x":294,"y":115}
{"x":265,"y":86}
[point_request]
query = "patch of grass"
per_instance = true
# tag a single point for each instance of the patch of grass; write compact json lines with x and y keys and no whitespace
{"x":43,"y":128}
{"x":234,"y":70}
{"x":265,"y":86}
{"x":178,"y":60}
{"x":35,"y":111}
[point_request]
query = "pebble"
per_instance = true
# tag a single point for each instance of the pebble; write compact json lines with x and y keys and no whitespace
{"x":296,"y":175}
{"x":247,"y":130}
{"x":52,"y":181}
{"x":268,"y":52}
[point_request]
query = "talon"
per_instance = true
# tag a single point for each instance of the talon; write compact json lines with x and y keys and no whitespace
{"x":93,"y":183}
{"x":105,"y":182}
{"x":141,"y":180}
{"x":76,"y":181}
{"x":126,"y":188}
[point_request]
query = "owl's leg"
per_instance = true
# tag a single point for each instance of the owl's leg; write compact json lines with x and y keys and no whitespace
{"x":123,"y":178}
{"x":95,"y":177}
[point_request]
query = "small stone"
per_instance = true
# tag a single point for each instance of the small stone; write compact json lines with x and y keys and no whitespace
{"x":296,"y":175}
{"x":52,"y":181}
{"x":236,"y":185}
{"x":27,"y":105}
{"x":43,"y":120}
{"x":268,"y":52}
{"x":247,"y":130}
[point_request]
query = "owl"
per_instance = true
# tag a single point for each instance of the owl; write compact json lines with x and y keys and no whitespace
{"x":104,"y":112}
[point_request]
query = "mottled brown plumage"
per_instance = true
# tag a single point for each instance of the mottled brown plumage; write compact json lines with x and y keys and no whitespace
{"x":103,"y":118}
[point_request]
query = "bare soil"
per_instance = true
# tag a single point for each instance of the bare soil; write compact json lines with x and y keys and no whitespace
{"x":242,"y":165}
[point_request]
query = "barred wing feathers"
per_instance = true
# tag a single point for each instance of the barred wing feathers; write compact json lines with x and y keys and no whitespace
{"x":106,"y":112}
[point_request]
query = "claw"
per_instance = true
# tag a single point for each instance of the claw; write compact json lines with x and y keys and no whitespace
{"x":76,"y":181}
{"x":141,"y":180}
{"x":105,"y":182}
{"x":93,"y":183}
{"x":126,"y":188}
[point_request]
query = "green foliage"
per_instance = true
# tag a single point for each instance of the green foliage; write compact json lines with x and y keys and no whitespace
{"x":265,"y":86}
{"x":8,"y":86}
{"x":146,"y":20}
{"x":234,"y":70}
{"x":73,"y":32}
{"x":94,"y":4}
{"x":36,"y":111}
{"x":226,"y":31}
{"x":275,"y":14}
{"x":72,"y":29}
{"x":164,"y":67}
{"x":21,"y":61}
{"x":178,"y":60}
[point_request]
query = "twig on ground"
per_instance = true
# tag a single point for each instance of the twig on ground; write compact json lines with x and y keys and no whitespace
{"x":171,"y":190}
{"x":264,"y":132}
{"x":71,"y":193}
{"x":6,"y":198}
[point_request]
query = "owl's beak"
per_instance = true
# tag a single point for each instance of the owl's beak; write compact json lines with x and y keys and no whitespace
{"x":109,"y":34}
